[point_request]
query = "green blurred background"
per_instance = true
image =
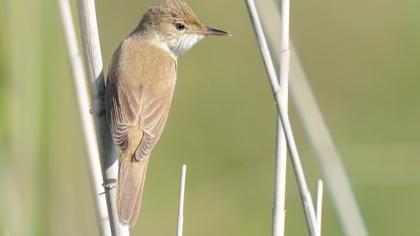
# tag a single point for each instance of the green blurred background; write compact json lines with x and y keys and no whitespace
{"x":362,"y":58}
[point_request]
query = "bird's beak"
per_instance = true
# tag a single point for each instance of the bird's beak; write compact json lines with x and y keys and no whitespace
{"x":216,"y":32}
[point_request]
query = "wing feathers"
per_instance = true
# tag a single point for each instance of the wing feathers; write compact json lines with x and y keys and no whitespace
{"x":140,"y":85}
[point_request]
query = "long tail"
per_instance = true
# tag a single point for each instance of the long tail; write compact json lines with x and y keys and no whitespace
{"x":131,"y":178}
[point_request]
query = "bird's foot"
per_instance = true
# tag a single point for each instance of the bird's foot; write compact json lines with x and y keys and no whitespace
{"x":109,"y":184}
{"x":98,"y":107}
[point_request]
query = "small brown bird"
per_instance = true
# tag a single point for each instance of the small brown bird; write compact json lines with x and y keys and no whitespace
{"x":139,"y":91}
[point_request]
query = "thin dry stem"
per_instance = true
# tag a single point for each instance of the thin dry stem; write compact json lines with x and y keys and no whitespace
{"x":317,"y":132}
{"x":306,"y":198}
{"x":319,"y":199}
{"x":93,"y":58}
{"x":279,"y":211}
{"x":89,"y":134}
{"x":180,"y":223}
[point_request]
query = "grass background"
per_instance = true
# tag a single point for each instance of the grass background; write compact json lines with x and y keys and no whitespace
{"x":362,"y":60}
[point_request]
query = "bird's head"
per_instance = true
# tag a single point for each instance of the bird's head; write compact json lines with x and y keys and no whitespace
{"x":175,"y":26}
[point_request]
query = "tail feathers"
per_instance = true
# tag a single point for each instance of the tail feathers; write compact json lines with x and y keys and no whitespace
{"x":132,"y":175}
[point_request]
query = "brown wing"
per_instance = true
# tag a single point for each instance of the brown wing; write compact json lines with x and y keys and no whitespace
{"x":140,"y":85}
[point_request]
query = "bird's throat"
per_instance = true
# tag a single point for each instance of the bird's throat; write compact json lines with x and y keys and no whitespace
{"x":177,"y":45}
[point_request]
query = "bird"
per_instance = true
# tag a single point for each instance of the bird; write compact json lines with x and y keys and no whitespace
{"x":139,"y":90}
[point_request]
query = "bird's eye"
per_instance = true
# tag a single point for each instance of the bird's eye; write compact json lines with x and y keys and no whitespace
{"x":179,"y":26}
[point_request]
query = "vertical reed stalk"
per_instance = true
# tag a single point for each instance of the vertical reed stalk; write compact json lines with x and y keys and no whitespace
{"x":305,"y":195}
{"x":180,"y":223}
{"x":318,"y":133}
{"x":93,"y":59}
{"x":319,"y":199}
{"x":88,"y":127}
{"x":279,"y":211}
